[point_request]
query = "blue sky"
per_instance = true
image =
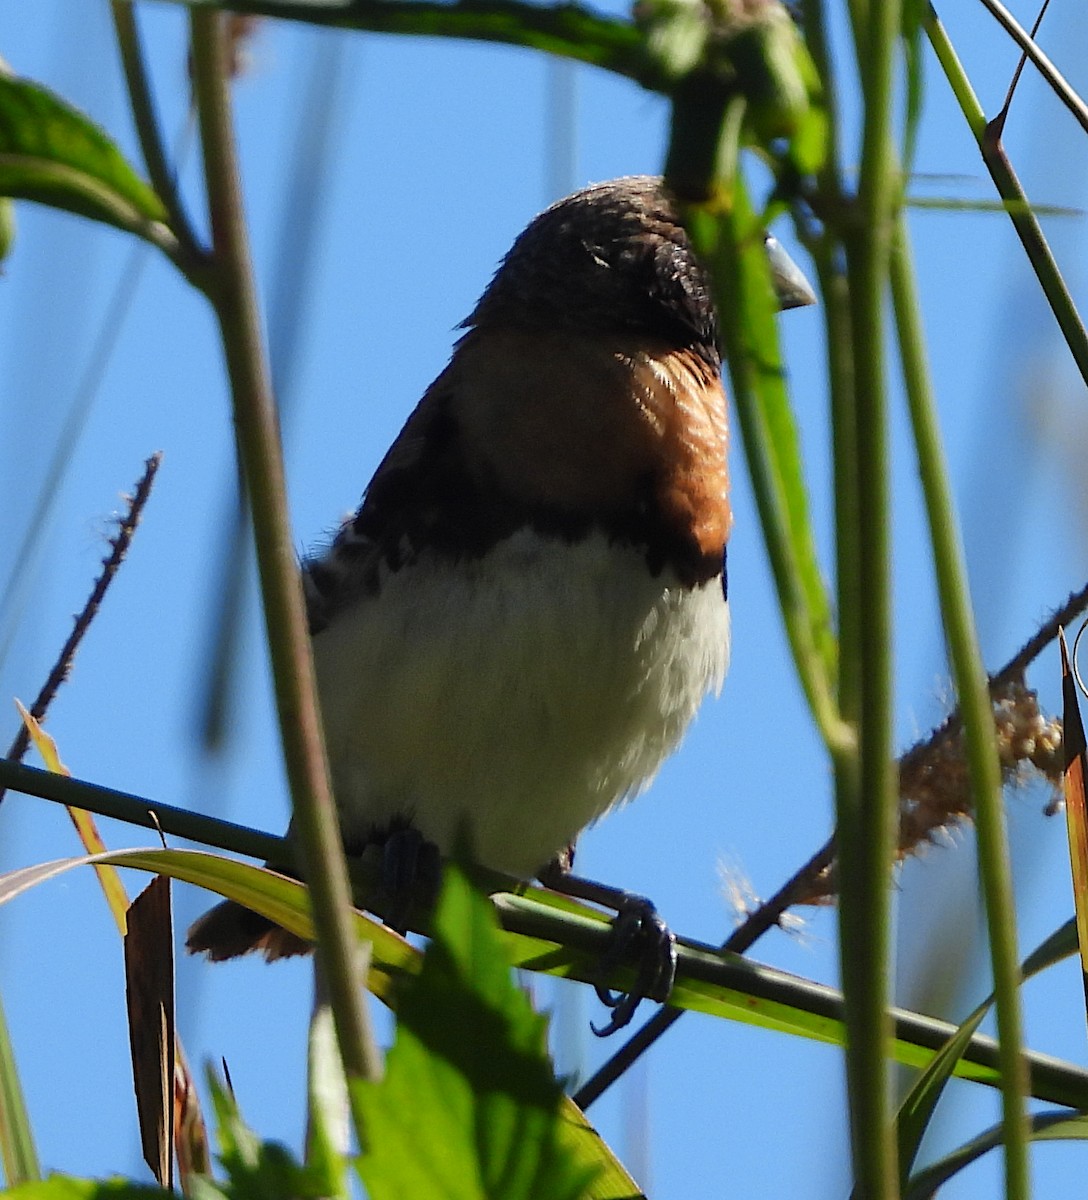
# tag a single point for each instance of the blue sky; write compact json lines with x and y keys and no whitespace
{"x":439,"y":153}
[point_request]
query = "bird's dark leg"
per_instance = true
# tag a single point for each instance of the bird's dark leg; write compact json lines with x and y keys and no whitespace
{"x":411,"y":870}
{"x":637,"y":925}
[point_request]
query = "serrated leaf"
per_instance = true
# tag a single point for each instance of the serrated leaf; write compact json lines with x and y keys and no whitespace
{"x":722,"y":986}
{"x":256,"y":1169}
{"x":469,"y":1108}
{"x":50,"y":152}
{"x":69,"y":1187}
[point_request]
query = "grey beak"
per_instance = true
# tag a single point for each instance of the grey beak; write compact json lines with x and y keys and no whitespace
{"x":790,"y":285}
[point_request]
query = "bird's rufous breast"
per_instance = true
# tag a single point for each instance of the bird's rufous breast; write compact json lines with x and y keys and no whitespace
{"x":620,"y":430}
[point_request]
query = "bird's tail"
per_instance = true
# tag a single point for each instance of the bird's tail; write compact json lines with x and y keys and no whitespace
{"x":230,"y":930}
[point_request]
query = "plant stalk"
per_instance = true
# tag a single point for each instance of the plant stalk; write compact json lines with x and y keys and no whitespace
{"x":233,"y":296}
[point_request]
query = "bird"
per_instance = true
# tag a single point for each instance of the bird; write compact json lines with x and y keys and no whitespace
{"x":522,"y":618}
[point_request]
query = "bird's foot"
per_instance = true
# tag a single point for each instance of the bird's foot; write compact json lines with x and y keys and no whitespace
{"x":637,"y":929}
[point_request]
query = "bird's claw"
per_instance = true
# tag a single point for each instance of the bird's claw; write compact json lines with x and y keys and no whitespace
{"x":637,"y":921}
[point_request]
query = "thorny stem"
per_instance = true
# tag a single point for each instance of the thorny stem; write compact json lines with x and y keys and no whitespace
{"x":63,"y":665}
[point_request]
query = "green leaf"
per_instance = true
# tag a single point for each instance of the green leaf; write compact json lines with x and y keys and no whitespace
{"x":259,"y":1170}
{"x":782,"y":86}
{"x":7,"y":227}
{"x":554,"y":935}
{"x":739,"y":989}
{"x":920,"y":1101}
{"x":912,"y":18}
{"x":469,"y":1107}
{"x":280,"y":899}
{"x":50,"y":152}
{"x":729,"y":238}
{"x":327,"y":1133}
{"x":1043,"y":1127}
{"x":68,"y":1187}
{"x":20,"y":1160}
{"x":676,"y":33}
{"x":571,"y":30}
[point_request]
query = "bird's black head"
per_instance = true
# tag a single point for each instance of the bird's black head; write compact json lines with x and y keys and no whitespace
{"x":610,"y":258}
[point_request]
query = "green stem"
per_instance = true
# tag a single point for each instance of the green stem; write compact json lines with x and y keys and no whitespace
{"x":867,"y":801}
{"x":835,"y":305}
{"x":150,"y":814}
{"x":190,"y":253}
{"x":976,"y":710}
{"x":567,"y":30}
{"x":987,"y":135}
{"x":257,"y":430}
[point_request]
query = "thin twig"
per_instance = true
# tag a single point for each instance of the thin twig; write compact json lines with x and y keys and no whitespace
{"x":163,"y":178}
{"x":1023,"y":62}
{"x":1058,"y":84}
{"x":1013,"y":670}
{"x":62,"y":667}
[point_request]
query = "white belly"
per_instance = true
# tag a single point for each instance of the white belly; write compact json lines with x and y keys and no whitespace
{"x":518,"y":696}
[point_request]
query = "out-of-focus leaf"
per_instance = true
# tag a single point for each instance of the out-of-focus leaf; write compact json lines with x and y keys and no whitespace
{"x":730,"y":238}
{"x":257,"y":1169}
{"x":7,"y":227}
{"x":280,"y":899}
{"x":110,"y":882}
{"x":68,"y":1187}
{"x":1076,"y":810}
{"x":676,"y":33}
{"x":17,"y":1153}
{"x":912,"y":21}
{"x":190,"y":1132}
{"x":573,"y":30}
{"x":1043,"y":1127}
{"x":568,"y":943}
{"x":50,"y":152}
{"x":327,"y":1126}
{"x":149,"y":995}
{"x":779,"y":80}
{"x":469,"y":1107}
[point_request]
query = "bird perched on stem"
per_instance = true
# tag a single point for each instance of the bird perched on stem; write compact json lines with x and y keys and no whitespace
{"x":524,"y":615}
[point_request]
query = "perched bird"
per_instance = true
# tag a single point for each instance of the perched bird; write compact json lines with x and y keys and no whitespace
{"x":524,"y":615}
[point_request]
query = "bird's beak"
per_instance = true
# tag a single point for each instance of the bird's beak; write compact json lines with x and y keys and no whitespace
{"x":790,"y":285}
